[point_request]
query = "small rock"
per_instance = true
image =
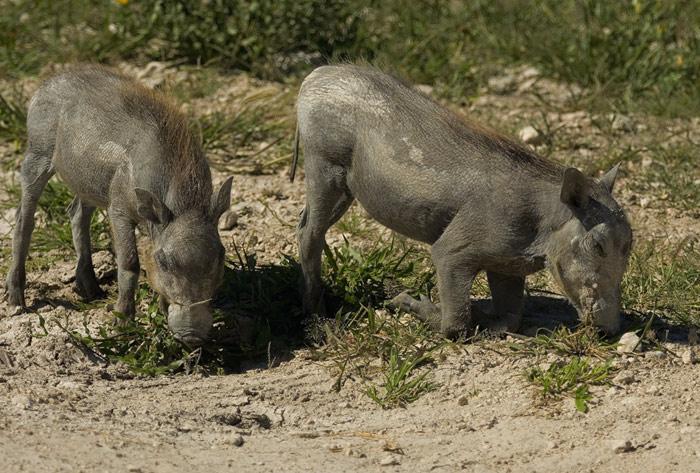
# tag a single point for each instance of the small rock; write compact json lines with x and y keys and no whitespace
{"x":621,"y":446}
{"x":389,"y":460}
{"x":237,"y":440}
{"x":502,"y":84}
{"x":624,"y":377}
{"x":133,"y":469}
{"x":689,"y":356}
{"x":228,"y":220}
{"x":552,"y":445}
{"x":622,"y":123}
{"x":22,"y":401}
{"x":657,"y":355}
{"x":530,"y":135}
{"x":628,"y":342}
{"x":351,"y":452}
{"x":463,"y":401}
{"x":425,"y":89}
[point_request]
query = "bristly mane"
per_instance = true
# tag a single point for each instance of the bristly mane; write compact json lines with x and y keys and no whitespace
{"x":184,"y":160}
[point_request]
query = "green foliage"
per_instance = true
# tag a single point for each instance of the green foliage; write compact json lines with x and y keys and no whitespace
{"x":573,"y":378}
{"x":399,"y":388}
{"x":372,"y":277}
{"x":256,"y":315}
{"x":250,"y":35}
{"x":665,"y":279}
{"x":53,"y":230}
{"x":227,"y":137}
{"x":13,"y":119}
{"x":355,"y":341}
{"x":143,"y":344}
{"x":673,"y":177}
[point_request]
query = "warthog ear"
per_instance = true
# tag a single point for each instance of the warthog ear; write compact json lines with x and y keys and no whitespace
{"x":574,"y":189}
{"x":609,"y":179}
{"x":151,"y":208}
{"x":221,"y":201}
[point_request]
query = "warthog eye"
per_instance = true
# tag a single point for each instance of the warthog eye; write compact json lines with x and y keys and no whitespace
{"x":599,"y":249}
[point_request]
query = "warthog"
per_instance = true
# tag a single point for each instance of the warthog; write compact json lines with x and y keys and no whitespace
{"x":119,"y":145}
{"x":482,"y":200}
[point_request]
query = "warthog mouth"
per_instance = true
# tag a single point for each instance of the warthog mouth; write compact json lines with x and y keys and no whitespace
{"x":190,"y":323}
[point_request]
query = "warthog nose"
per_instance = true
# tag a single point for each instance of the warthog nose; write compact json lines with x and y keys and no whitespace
{"x":190,"y":323}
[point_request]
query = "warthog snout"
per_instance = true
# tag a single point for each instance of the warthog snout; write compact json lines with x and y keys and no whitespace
{"x":190,"y":323}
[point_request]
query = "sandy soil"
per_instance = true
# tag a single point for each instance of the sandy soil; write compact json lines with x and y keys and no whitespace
{"x":63,"y":410}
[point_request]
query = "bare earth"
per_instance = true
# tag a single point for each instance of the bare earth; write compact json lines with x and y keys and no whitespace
{"x":63,"y":410}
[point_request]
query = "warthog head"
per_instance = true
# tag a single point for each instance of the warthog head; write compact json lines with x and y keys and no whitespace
{"x":185,"y":262}
{"x":589,"y":253}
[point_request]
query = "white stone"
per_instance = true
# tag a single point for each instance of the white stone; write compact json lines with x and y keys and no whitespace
{"x":628,"y":342}
{"x":689,"y":356}
{"x":622,"y":123}
{"x":530,"y":135}
{"x":624,"y":377}
{"x":655,"y":355}
{"x":228,"y":220}
{"x":389,"y":460}
{"x":502,"y":84}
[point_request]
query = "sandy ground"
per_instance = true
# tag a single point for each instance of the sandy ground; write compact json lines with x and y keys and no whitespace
{"x":63,"y":410}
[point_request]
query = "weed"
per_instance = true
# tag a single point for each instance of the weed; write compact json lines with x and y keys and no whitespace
{"x":366,"y":342}
{"x":55,"y":232}
{"x":573,"y":378}
{"x":13,"y":120}
{"x":399,"y":389}
{"x":371,"y":277}
{"x":666,"y":278}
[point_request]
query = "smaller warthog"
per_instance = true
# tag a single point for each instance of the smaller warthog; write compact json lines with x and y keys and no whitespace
{"x":119,"y":145}
{"x":482,"y":200}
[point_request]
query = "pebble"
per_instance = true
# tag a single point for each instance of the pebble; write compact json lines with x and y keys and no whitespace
{"x":463,"y":401}
{"x":622,"y":123}
{"x":628,"y":342}
{"x":389,"y":460}
{"x":22,"y":401}
{"x":237,"y":440}
{"x":530,"y":135}
{"x":655,"y":355}
{"x":624,"y":377}
{"x":133,"y":469}
{"x":228,"y":220}
{"x":425,"y":89}
{"x":351,"y":452}
{"x":689,"y":356}
{"x":621,"y":446}
{"x":502,"y":84}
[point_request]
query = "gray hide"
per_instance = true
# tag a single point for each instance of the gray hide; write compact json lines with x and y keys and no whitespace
{"x":121,"y":146}
{"x":482,"y":200}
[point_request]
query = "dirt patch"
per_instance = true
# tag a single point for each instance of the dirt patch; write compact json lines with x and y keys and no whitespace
{"x":62,"y":409}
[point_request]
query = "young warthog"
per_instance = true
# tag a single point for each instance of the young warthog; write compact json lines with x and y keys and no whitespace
{"x":121,"y":146}
{"x":483,"y":201}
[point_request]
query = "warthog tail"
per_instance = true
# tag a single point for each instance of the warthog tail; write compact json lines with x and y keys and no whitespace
{"x":296,"y":155}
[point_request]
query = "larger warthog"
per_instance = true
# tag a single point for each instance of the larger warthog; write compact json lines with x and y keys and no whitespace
{"x":482,"y":200}
{"x":119,"y":145}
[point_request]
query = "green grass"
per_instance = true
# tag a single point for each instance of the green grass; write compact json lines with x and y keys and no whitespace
{"x":398,"y":388}
{"x":13,"y":121}
{"x":665,"y":280}
{"x":256,"y":318}
{"x":386,"y":354}
{"x":371,"y":277}
{"x":54,"y":233}
{"x":573,"y":378}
